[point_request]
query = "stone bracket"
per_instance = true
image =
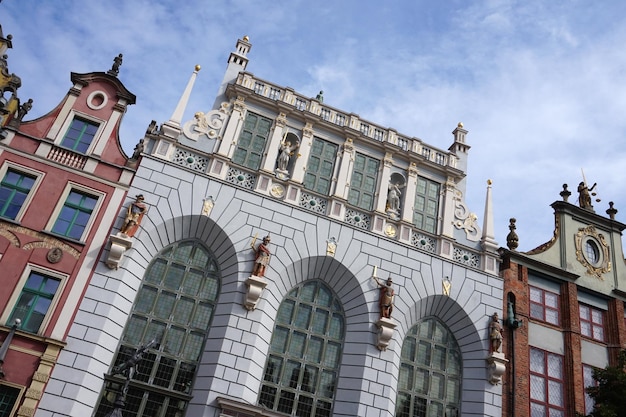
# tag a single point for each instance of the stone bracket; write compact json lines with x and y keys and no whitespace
{"x":496,"y":366}
{"x":254,"y":289}
{"x":119,"y":244}
{"x":385,"y":332}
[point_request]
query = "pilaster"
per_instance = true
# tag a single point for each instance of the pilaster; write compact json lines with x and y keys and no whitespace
{"x":299,"y":168}
{"x":233,"y":129}
{"x":345,"y":170}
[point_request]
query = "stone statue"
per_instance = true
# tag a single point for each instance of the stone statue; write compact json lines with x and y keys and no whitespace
{"x":286,"y":152}
{"x":495,"y":334}
{"x":134,"y":215}
{"x":24,"y":109}
{"x":117,"y":63}
{"x":138,"y":150}
{"x":393,"y":197}
{"x":261,"y":257}
{"x":320,"y":96}
{"x":584,"y":196}
{"x":386,"y":297}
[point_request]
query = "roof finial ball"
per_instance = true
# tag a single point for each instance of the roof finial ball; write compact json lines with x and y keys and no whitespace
{"x":246,"y":38}
{"x":460,"y":125}
{"x":197,"y":68}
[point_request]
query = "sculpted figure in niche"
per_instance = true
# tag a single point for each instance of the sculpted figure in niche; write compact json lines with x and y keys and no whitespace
{"x":495,"y":333}
{"x":386,"y":297}
{"x":393,"y":197}
{"x":261,"y":257}
{"x":134,"y":215}
{"x":286,"y":152}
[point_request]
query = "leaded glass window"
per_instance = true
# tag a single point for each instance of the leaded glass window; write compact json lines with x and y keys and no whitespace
{"x":363,"y":182}
{"x":174,"y":305}
{"x":429,"y":383}
{"x":252,"y":140}
{"x":300,"y":374}
{"x":75,"y":214}
{"x":321,"y":166}
{"x":547,"y":397}
{"x":8,"y":399}
{"x":426,"y":207}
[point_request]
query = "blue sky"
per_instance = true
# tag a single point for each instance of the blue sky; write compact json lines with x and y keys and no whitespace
{"x":538,"y":84}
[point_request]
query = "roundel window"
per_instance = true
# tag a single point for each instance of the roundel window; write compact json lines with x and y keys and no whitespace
{"x":592,"y":252}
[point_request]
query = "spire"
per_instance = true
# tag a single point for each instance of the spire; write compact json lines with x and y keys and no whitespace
{"x":488,"y":241}
{"x":172,"y":127}
{"x":237,"y":62}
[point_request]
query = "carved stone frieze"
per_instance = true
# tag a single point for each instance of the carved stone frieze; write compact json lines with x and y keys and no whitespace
{"x":11,"y":231}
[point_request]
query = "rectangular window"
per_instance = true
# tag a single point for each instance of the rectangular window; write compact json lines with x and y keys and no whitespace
{"x":34,"y":301}
{"x":321,"y":166}
{"x":252,"y":140}
{"x":80,"y":135}
{"x":546,"y":384}
{"x":363,"y":182}
{"x":14,"y":189}
{"x":591,"y":322}
{"x":75,"y":214}
{"x":9,"y":396}
{"x":544,"y":305}
{"x":588,"y":381}
{"x":426,"y":207}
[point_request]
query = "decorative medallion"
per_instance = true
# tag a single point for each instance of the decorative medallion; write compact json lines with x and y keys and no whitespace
{"x":54,"y":255}
{"x":277,"y":190}
{"x":391,"y":230}
{"x":592,"y":251}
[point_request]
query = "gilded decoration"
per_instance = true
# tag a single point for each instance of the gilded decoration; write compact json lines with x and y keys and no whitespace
{"x":590,"y":237}
{"x":10,"y":231}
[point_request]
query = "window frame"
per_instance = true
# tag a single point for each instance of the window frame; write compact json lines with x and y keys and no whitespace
{"x":360,"y":188}
{"x":589,"y":403}
{"x":9,"y":165}
{"x":68,"y":123}
{"x":18,"y":399}
{"x":19,"y":287}
{"x":547,"y":378}
{"x":69,"y":187}
{"x":591,"y":323}
{"x":316,"y":175}
{"x":246,"y":152}
{"x":543,"y":305}
{"x":425,"y":217}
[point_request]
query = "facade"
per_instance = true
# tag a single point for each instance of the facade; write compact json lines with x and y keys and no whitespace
{"x":565,"y":310}
{"x":257,"y":280}
{"x":63,"y":178}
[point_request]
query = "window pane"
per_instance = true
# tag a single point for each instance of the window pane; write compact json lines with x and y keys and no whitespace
{"x":307,"y":338}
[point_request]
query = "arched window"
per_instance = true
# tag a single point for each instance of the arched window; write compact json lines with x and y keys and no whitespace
{"x":174,"y":306}
{"x":302,"y":368}
{"x":430,"y":372}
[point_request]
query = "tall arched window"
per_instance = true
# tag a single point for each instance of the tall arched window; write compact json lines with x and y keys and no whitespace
{"x":174,"y":306}
{"x":430,"y":372}
{"x":302,"y":368}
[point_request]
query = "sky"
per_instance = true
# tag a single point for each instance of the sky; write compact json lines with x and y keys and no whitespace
{"x":539,"y":85}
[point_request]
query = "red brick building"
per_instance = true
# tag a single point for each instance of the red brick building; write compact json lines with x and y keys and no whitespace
{"x":564,"y":310}
{"x":63,"y":179}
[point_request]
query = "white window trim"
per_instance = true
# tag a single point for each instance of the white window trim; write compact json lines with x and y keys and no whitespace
{"x":26,"y":170}
{"x":68,"y":122}
{"x":70,"y":186}
{"x":20,"y":286}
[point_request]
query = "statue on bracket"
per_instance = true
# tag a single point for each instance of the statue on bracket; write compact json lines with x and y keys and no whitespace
{"x":386,"y":295}
{"x":495,"y":333}
{"x":134,"y":215}
{"x":288,"y":146}
{"x":261,"y":257}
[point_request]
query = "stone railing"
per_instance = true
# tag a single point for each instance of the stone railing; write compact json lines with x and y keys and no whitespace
{"x":67,"y":157}
{"x":341,"y":119}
